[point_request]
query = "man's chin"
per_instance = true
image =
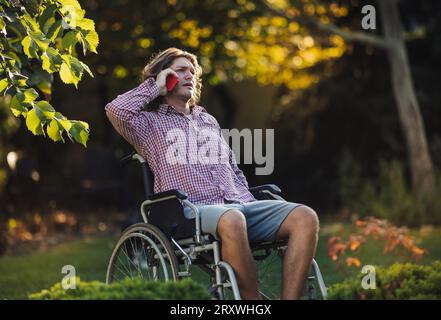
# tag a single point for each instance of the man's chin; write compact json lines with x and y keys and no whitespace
{"x":185,"y":97}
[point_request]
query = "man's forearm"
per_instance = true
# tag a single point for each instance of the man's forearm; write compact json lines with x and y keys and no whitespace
{"x":129,"y":104}
{"x":124,"y":111}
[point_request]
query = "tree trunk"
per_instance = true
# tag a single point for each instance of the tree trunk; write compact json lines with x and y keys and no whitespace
{"x":423,"y":181}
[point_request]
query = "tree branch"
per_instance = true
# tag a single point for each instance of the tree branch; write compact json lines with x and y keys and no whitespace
{"x":361,"y":37}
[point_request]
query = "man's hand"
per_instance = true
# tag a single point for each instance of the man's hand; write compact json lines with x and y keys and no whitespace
{"x":161,"y":80}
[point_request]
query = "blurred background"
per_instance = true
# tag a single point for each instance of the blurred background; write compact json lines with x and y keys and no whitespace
{"x":356,"y":113}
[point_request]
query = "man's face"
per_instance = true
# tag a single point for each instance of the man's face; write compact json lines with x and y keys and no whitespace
{"x":184,"y":89}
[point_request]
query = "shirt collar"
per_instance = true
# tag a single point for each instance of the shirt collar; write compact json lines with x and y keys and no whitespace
{"x":166,"y":109}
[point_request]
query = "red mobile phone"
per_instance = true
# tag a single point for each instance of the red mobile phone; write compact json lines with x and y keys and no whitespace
{"x":171,"y":81}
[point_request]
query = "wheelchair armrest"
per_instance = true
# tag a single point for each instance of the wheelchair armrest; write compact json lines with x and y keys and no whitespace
{"x":270,"y":187}
{"x":174,"y":192}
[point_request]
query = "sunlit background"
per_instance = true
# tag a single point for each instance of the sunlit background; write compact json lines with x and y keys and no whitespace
{"x":357,"y":128}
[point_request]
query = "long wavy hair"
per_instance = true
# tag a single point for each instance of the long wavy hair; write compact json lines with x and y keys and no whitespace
{"x":164,"y":60}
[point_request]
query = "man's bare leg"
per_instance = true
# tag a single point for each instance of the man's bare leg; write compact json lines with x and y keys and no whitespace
{"x":300,"y":228}
{"x":232,"y":230}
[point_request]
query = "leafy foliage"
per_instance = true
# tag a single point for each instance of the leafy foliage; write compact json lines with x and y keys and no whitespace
{"x":39,"y":39}
{"x":396,"y":240}
{"x":260,"y":39}
{"x":387,"y":196}
{"x":137,"y":289}
{"x":399,"y":281}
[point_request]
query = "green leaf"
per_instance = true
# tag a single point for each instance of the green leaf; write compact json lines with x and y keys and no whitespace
{"x":3,"y":85}
{"x":33,"y":122}
{"x":29,"y":95}
{"x":72,"y":13}
{"x":34,"y":41}
{"x":76,"y":5}
{"x":29,"y":47}
{"x":44,"y":109}
{"x":46,"y":19}
{"x":54,"y":31}
{"x":71,"y":69}
{"x":86,"y":24}
{"x":39,"y":38}
{"x":69,"y":40}
{"x":76,"y":66}
{"x":13,"y":56}
{"x":17,"y":107}
{"x":91,"y":37}
{"x":79,"y":133}
{"x":45,"y":87}
{"x":51,"y":60}
{"x":30,"y":22}
{"x":86,"y":67}
{"x":20,"y":82}
{"x":84,"y":44}
{"x":84,"y":124}
{"x":48,"y":24}
{"x":67,"y":76}
{"x":66,"y":124}
{"x":54,"y":131}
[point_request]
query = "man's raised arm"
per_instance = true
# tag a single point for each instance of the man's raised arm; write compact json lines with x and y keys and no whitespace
{"x":123,"y":112}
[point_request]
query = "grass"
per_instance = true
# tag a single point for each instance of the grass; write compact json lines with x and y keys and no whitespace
{"x":28,"y":273}
{"x":24,"y":274}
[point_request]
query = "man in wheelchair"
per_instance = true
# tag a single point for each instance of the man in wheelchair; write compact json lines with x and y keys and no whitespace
{"x":154,"y":117}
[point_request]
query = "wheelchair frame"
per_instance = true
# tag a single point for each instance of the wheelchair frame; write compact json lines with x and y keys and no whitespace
{"x":194,"y":249}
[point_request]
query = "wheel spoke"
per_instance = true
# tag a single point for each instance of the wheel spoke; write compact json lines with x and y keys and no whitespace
{"x":126,"y":253}
{"x":121,"y":271}
{"x":135,"y":257}
{"x":143,"y":253}
{"x":127,"y":267}
{"x":269,"y":279}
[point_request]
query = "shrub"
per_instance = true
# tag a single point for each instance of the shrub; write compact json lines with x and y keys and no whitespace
{"x":129,"y":289}
{"x":399,"y":281}
{"x":396,"y":240}
{"x":388,"y":196}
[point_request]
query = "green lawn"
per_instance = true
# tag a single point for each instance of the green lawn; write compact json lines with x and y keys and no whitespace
{"x":26,"y":273}
{"x":20,"y":275}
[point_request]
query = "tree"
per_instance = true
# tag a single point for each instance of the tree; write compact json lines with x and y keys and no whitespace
{"x":283,"y":41}
{"x":393,"y":43}
{"x":38,"y":39}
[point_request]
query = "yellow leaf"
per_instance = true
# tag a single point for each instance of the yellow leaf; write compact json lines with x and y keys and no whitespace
{"x":353,"y":261}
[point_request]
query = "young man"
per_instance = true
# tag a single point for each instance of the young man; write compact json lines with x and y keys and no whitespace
{"x":146,"y":114}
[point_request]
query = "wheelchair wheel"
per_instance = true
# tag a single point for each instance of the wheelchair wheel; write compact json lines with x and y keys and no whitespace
{"x":142,"y":251}
{"x":269,"y":267}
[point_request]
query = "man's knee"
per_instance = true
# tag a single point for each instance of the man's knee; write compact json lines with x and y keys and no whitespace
{"x":304,"y":218}
{"x":232,"y":225}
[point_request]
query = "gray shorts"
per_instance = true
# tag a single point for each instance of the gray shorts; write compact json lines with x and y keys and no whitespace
{"x":264,"y":217}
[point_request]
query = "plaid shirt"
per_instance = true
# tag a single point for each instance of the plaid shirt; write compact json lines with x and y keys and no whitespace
{"x":149,"y":134}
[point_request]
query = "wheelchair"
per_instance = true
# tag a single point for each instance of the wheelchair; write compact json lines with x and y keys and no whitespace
{"x":167,"y":245}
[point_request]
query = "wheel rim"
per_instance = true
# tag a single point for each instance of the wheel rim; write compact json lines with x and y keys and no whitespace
{"x":138,"y":257}
{"x":142,"y":253}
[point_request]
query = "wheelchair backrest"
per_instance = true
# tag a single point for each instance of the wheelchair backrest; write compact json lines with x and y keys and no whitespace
{"x":147,"y":174}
